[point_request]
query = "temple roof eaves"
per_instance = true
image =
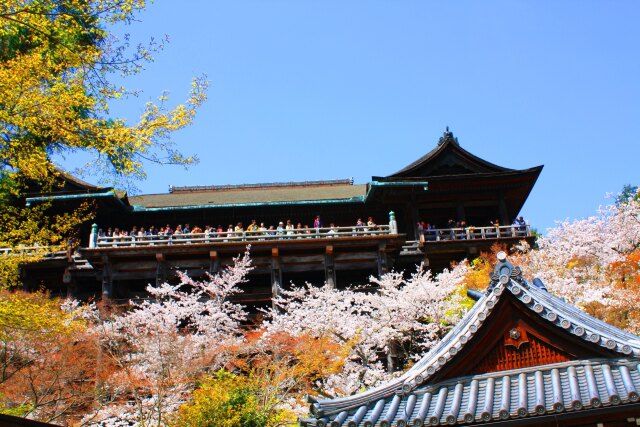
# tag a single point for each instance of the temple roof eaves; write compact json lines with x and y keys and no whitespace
{"x":447,"y":144}
{"x":506,"y":280}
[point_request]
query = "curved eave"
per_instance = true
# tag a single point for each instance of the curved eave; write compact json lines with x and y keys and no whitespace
{"x":448,"y":145}
{"x":77,"y":182}
{"x":548,"y":308}
{"x":389,"y":180}
{"x":109,"y":194}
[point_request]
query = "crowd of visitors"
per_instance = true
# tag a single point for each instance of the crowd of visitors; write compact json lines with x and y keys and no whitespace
{"x":284,"y":229}
{"x":460,"y":230}
{"x":454,"y":230}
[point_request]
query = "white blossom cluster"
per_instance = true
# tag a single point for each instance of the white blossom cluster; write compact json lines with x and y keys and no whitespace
{"x":162,"y":344}
{"x":404,"y":316}
{"x":574,"y":258}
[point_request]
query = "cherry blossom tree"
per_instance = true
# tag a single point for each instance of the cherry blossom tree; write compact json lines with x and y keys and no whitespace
{"x":161,"y":345}
{"x":404,"y":318}
{"x":592,"y":263}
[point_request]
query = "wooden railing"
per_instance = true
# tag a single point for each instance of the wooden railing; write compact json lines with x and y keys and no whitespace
{"x":244,"y":236}
{"x":470,"y":233}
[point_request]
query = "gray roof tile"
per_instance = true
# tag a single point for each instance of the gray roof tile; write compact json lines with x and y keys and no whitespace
{"x":527,"y":392}
{"x":411,"y":400}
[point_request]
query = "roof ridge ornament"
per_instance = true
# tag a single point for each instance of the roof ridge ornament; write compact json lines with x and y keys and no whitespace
{"x":503,"y":272}
{"x":446,"y":136}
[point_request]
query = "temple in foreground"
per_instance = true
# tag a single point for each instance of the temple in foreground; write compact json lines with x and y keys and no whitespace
{"x":469,"y":203}
{"x":520,"y":357}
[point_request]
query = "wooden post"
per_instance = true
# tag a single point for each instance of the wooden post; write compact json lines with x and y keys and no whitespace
{"x":67,"y":279}
{"x":383,"y":267}
{"x":107,"y":279}
{"x":392,"y":356}
{"x":276,"y":275}
{"x":504,"y":218}
{"x":161,"y":269}
{"x":460,"y":212}
{"x":214,"y":262}
{"x":329,"y":267}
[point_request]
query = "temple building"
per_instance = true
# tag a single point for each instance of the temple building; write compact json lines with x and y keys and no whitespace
{"x":446,"y":206}
{"x":520,"y":357}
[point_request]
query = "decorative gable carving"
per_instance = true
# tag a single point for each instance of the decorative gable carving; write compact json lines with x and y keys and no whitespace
{"x":448,"y":158}
{"x":520,"y":347}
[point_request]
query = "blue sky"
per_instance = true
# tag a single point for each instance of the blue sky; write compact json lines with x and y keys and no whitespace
{"x":306,"y":90}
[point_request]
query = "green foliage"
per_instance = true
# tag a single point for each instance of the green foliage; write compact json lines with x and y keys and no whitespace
{"x":226,"y":400}
{"x":18,"y":411}
{"x":629,"y":192}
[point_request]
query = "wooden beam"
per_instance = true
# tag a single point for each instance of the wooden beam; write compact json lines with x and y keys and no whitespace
{"x":276,"y":275}
{"x":329,"y":267}
{"x":502,"y":206}
{"x":107,"y":279}
{"x":72,"y":286}
{"x":382,"y":259}
{"x":214,"y":262}
{"x":161,"y":269}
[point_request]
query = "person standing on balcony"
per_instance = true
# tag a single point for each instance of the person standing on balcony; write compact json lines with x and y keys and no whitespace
{"x":239,"y":229}
{"x":521,"y":225}
{"x":317,"y":223}
{"x":371,"y":224}
{"x":289,"y":227}
{"x":252,"y":229}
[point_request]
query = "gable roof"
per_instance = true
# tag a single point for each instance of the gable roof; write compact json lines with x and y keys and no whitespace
{"x":447,"y":159}
{"x":571,"y":385}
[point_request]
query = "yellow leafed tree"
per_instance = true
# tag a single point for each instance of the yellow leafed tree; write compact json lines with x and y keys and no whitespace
{"x":56,"y":60}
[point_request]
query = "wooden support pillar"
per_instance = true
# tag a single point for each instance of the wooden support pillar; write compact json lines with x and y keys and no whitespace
{"x":67,"y":279}
{"x":107,"y":279}
{"x":460,"y":212}
{"x":276,"y":275}
{"x":502,"y":206}
{"x":214,"y":262}
{"x":413,"y":215}
{"x":383,"y":267}
{"x":392,"y":356}
{"x":161,"y":269}
{"x":25,"y":279}
{"x":329,"y":267}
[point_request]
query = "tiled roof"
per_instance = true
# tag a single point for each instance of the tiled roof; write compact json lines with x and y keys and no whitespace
{"x":252,"y":195}
{"x":449,"y":147}
{"x":528,"y":392}
{"x":553,"y":311}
